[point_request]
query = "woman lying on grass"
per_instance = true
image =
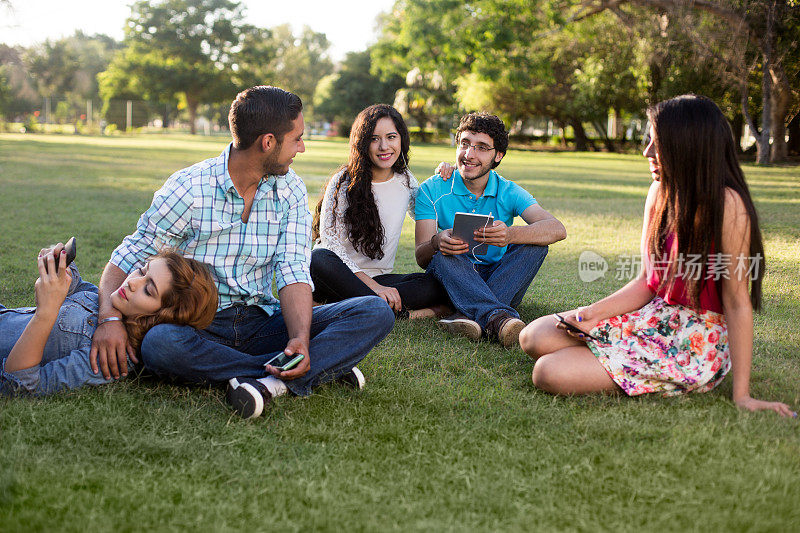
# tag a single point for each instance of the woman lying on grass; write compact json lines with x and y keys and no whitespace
{"x":687,"y":318}
{"x":46,"y":349}
{"x":359,"y":218}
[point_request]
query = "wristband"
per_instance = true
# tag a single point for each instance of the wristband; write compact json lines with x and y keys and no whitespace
{"x":433,"y":245}
{"x":109,"y":319}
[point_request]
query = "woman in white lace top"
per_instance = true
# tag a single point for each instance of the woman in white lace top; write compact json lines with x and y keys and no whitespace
{"x":358,"y":221}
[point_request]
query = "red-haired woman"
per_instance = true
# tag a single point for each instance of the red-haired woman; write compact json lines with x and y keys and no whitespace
{"x":46,"y":349}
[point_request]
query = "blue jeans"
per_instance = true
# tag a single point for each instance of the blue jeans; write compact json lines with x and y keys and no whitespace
{"x":241,"y":340}
{"x":479,"y":291}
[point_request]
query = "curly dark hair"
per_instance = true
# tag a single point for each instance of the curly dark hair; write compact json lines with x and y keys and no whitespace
{"x":491,"y":125}
{"x":361,"y":218}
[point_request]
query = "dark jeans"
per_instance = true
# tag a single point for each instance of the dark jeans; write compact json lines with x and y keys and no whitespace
{"x":480,"y":291}
{"x":334,"y":282}
{"x":241,"y":339}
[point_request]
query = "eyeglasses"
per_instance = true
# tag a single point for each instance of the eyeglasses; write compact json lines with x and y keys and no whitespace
{"x":480,"y":148}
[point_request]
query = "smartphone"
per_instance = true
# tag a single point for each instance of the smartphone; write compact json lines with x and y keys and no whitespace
{"x":285,"y":362}
{"x":72,"y":250}
{"x":572,"y":328}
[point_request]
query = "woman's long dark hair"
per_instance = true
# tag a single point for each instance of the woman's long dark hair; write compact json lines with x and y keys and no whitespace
{"x":697,"y":160}
{"x":361,"y":218}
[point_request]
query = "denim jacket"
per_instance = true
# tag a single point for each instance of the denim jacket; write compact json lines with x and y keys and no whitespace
{"x":65,"y":362}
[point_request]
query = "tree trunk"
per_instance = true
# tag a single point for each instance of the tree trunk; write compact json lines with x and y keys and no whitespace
{"x":619,"y":132}
{"x":794,"y":135}
{"x":563,"y":127}
{"x":781,"y":101}
{"x":581,"y":141}
{"x":763,"y":136}
{"x":165,"y":117}
{"x":763,"y":152}
{"x":422,"y":120}
{"x":656,"y":79}
{"x":192,"y":104}
{"x":607,"y":141}
{"x":737,"y":126}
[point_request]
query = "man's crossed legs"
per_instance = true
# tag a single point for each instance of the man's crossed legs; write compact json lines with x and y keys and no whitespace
{"x":242,"y":339}
{"x":486,"y":295}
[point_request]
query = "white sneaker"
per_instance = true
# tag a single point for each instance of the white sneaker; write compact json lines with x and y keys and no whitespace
{"x":247,"y":396}
{"x":458,"y":324}
{"x":354,"y":378}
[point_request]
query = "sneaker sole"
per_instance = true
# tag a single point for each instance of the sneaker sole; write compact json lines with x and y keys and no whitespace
{"x":509,"y":333}
{"x":245,"y":399}
{"x":465,"y":328}
{"x":359,"y":378}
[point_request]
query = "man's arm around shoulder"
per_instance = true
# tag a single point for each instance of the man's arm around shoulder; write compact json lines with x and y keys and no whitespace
{"x":110,"y":346}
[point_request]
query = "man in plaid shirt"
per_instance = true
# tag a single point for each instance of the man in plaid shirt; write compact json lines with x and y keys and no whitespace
{"x":245,"y":214}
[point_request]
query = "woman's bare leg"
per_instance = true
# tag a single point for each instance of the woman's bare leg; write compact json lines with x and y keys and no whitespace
{"x":572,"y":370}
{"x":542,"y":337}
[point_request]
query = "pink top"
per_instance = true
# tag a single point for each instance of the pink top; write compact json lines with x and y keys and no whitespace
{"x":676,"y":295}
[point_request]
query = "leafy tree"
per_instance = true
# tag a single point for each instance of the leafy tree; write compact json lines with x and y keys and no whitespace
{"x":129,"y":77}
{"x":341,"y":96}
{"x":744,"y":40}
{"x":6,"y":93}
{"x":500,"y":56}
{"x":178,"y":49}
{"x":19,"y":89}
{"x":68,"y":68}
{"x":430,"y":44}
{"x":278,"y":57}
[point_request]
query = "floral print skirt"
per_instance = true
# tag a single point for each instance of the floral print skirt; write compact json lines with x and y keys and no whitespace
{"x":663,"y":348}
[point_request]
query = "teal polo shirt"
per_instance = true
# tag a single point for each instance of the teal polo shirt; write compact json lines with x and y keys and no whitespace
{"x":503,"y":199}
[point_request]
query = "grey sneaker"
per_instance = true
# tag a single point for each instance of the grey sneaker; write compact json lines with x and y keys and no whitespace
{"x":504,"y":329}
{"x":247,"y":396}
{"x":458,"y":324}
{"x":354,"y":378}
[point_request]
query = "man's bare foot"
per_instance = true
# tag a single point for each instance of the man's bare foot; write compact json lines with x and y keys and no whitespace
{"x":435,"y":311}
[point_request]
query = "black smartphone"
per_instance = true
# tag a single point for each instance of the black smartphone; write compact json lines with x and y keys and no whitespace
{"x":72,"y":250}
{"x":285,"y":362}
{"x":574,"y":329}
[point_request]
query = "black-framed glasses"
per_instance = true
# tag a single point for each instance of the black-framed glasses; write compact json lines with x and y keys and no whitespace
{"x":480,"y":147}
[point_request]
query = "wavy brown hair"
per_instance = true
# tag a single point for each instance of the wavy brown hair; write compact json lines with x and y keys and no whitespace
{"x":191,"y":299}
{"x":361,"y":218}
{"x":697,"y":161}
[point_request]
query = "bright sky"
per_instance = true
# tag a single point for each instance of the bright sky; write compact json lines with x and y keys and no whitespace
{"x":349,"y":25}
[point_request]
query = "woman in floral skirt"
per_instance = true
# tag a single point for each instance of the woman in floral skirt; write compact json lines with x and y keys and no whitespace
{"x":687,"y":319}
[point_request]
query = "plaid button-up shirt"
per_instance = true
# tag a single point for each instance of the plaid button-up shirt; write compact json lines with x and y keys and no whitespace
{"x":198,"y":212}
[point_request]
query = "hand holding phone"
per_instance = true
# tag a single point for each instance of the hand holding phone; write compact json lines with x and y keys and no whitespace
{"x":571,"y":328}
{"x":283,"y":362}
{"x":71,"y":249}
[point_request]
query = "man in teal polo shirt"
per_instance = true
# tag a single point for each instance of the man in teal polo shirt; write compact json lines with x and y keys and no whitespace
{"x":486,"y":288}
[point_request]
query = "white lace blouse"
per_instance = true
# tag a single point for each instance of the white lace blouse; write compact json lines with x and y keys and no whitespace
{"x":394,"y":199}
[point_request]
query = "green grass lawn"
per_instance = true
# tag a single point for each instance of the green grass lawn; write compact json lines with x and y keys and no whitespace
{"x":447,"y":436}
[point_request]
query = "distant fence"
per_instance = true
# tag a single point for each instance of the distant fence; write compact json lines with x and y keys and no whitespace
{"x":120,"y":115}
